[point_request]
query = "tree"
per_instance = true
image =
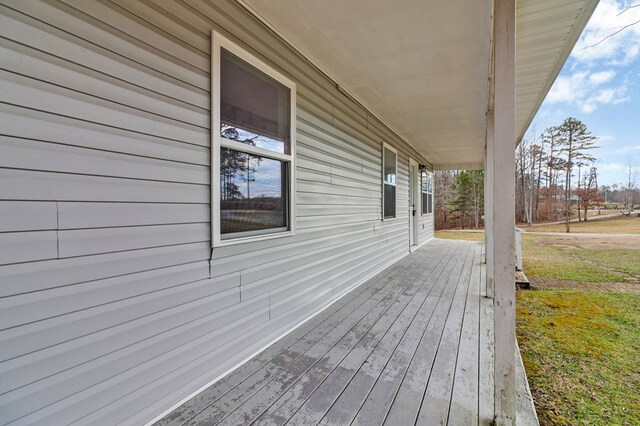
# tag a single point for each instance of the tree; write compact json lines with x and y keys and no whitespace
{"x":588,"y":192}
{"x":553,"y":164}
{"x":632,"y":176}
{"x":575,"y":142}
{"x":234,"y":163}
{"x":443,"y":197}
{"x":468,"y":201}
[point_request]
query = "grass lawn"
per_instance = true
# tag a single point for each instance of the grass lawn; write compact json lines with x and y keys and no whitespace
{"x":621,"y":225}
{"x":582,"y":355}
{"x":580,"y":259}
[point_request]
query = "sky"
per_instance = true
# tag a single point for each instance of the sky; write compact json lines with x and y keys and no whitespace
{"x":600,"y":86}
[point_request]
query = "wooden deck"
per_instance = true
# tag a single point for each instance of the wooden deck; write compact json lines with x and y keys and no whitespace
{"x":413,"y":345}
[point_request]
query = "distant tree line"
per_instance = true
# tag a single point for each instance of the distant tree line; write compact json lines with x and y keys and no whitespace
{"x":556,"y":180}
{"x":459,"y":199}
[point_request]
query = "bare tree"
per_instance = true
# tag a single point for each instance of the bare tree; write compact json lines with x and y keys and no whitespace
{"x":575,"y":140}
{"x":553,"y":163}
{"x":632,"y":177}
{"x":588,"y":192}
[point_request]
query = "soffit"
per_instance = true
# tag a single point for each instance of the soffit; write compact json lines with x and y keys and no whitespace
{"x":422,"y":67}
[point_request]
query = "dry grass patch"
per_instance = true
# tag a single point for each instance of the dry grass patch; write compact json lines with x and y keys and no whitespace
{"x":461,"y":235}
{"x":584,"y":259}
{"x":621,"y":225}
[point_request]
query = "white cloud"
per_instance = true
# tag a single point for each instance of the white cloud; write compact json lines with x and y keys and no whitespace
{"x":611,"y":173}
{"x":600,"y":42}
{"x":601,"y":77}
{"x":627,"y":150}
{"x":584,"y":90}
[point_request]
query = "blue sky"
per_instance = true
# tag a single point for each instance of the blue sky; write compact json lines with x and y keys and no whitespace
{"x":600,"y":85}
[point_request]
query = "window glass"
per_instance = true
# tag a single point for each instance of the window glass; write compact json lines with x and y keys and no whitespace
{"x":253,"y":106}
{"x":389,"y":166}
{"x":389,"y":183}
{"x":389,"y":201}
{"x":427,"y":192}
{"x":252,"y":193}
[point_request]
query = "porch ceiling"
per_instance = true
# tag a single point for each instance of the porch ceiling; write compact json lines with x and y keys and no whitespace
{"x":423,"y":67}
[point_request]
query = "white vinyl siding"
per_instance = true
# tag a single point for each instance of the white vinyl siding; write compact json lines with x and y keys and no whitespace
{"x":116,"y":306}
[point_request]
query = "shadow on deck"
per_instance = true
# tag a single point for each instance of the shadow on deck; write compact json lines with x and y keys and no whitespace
{"x":413,"y":345}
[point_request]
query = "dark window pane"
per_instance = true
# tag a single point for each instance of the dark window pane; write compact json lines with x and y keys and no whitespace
{"x":389,"y":201}
{"x":430,"y":208}
{"x":253,"y":194}
{"x":254,"y":108}
{"x":389,"y":166}
{"x":425,"y":203}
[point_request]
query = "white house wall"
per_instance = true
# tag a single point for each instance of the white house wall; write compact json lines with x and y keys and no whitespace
{"x":113,"y":306}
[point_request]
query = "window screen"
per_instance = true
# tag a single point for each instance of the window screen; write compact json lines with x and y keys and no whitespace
{"x":253,"y":106}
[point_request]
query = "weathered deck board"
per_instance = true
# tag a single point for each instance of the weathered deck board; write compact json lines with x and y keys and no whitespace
{"x":463,"y":409}
{"x":412,"y":345}
{"x":347,"y":382}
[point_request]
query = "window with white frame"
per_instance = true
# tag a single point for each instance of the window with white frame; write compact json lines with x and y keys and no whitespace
{"x":427,"y":192}
{"x":389,"y":166}
{"x":254,"y":146}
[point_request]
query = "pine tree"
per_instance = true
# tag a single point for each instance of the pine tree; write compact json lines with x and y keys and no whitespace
{"x":575,"y":141}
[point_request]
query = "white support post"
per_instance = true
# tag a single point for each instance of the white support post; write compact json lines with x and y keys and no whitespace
{"x":504,"y":211}
{"x":488,"y":207}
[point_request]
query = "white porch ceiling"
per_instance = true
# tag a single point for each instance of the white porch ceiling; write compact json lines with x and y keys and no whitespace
{"x":422,"y":67}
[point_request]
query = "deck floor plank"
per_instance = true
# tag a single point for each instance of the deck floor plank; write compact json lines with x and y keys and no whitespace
{"x":413,"y":345}
{"x":349,"y":380}
{"x":437,"y":398}
{"x":463,"y":408}
{"x":344,"y":358}
{"x":349,"y":406}
{"x":408,"y":400}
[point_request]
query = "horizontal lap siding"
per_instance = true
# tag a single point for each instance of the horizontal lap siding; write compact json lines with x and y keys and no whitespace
{"x":113,"y":306}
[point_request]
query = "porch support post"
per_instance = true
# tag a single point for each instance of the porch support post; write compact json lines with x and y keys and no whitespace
{"x":488,"y":207}
{"x":504,"y":211}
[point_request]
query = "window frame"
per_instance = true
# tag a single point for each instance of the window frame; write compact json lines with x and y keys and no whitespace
{"x":430,"y":194}
{"x":219,"y":42}
{"x":384,"y":182}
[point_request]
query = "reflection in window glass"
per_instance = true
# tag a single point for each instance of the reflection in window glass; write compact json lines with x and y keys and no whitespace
{"x":389,"y":201}
{"x":427,"y":192}
{"x":253,"y":106}
{"x":389,"y":183}
{"x":389,"y":166}
{"x":252,"y":193}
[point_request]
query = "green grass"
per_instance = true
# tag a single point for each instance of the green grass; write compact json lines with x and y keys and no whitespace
{"x":582,"y":355}
{"x":571,"y":261}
